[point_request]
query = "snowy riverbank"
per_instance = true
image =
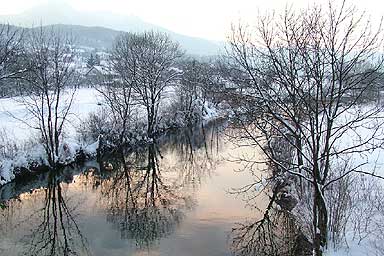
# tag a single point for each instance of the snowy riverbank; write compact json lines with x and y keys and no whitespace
{"x":19,"y":146}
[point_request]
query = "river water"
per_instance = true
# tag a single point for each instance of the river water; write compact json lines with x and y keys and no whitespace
{"x":170,"y":198}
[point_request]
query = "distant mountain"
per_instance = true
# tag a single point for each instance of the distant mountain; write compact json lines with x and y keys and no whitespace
{"x":101,"y":26}
{"x":95,"y":37}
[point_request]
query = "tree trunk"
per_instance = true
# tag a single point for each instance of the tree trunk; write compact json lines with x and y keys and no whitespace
{"x":320,"y":222}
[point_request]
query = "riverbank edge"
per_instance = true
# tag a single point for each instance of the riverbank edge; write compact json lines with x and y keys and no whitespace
{"x":82,"y":155}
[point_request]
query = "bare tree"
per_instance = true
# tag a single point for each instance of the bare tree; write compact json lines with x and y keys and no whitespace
{"x":145,"y":64}
{"x":304,"y":80}
{"x":118,"y":98}
{"x":197,"y":86}
{"x":50,"y":86}
{"x":11,"y":48}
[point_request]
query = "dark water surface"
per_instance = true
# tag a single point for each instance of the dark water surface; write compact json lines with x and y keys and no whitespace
{"x":166,"y":199}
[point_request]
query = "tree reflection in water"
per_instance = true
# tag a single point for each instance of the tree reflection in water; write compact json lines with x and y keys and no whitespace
{"x":43,"y":221}
{"x":143,"y":194}
{"x":197,"y":152}
{"x":139,"y":204}
{"x":147,"y":196}
{"x":275,"y":234}
{"x":57,"y":232}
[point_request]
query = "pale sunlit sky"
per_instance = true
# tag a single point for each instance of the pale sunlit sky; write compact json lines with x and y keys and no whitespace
{"x":202,"y":18}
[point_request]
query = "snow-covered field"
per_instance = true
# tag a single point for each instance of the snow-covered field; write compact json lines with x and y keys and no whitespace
{"x":86,"y":101}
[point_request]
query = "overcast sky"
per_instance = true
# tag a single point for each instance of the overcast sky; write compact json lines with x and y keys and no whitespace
{"x":203,"y":18}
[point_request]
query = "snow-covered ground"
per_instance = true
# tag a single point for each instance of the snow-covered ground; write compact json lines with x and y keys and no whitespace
{"x":86,"y":101}
{"x":16,"y":128}
{"x":366,"y":216}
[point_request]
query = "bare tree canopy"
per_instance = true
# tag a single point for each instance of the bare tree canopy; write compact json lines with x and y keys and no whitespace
{"x":11,"y":46}
{"x":11,"y":51}
{"x":305,"y":73}
{"x":50,"y":86}
{"x":145,"y":63}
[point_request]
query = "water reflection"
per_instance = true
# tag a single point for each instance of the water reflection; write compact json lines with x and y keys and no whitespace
{"x":47,"y":224}
{"x":167,"y":198}
{"x":58,"y":232}
{"x":141,"y":203}
{"x":196,"y":149}
{"x":276,"y":232}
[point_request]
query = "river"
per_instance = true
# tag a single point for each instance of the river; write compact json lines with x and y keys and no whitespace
{"x":169,"y":198}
